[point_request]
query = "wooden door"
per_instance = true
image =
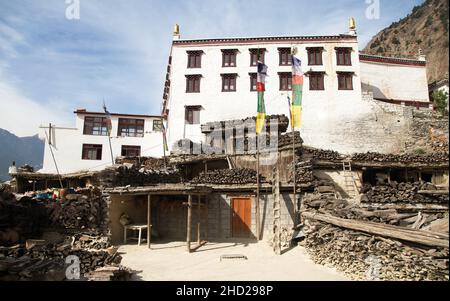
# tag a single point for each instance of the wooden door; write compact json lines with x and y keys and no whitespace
{"x":241,"y":220}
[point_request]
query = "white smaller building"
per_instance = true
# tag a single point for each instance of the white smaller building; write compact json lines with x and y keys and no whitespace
{"x":86,"y":147}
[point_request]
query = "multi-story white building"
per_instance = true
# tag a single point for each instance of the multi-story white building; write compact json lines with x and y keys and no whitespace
{"x":86,"y":146}
{"x":215,"y":79}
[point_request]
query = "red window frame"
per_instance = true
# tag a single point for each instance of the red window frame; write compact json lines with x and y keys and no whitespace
{"x":193,"y":83}
{"x":345,"y":81}
{"x":285,"y":56}
{"x":229,"y":58}
{"x":194,"y":59}
{"x":130,"y":127}
{"x":344,"y":56}
{"x":315,"y":56}
{"x":95,"y":126}
{"x":316,"y":81}
{"x":253,"y":81}
{"x":285,"y":81}
{"x":229,"y":82}
{"x":92,"y":152}
{"x":192,"y":115}
{"x":130,"y":151}
{"x":254,"y":56}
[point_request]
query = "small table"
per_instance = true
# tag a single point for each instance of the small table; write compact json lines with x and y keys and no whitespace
{"x":134,"y":228}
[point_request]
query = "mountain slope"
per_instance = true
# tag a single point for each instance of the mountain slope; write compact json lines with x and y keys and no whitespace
{"x":426,"y":28}
{"x":27,"y":150}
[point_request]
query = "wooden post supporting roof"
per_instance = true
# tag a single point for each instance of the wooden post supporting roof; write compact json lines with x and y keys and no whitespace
{"x":149,"y":218}
{"x":199,"y":216}
{"x":189,"y":224}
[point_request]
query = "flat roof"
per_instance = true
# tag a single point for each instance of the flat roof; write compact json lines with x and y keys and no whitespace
{"x":83,"y":112}
{"x":254,"y":40}
{"x":391,"y":60}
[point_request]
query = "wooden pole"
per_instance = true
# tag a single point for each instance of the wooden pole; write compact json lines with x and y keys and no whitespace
{"x":189,"y":224}
{"x":149,"y":219}
{"x":198,"y":219}
{"x":294,"y":162}
{"x":53,"y":156}
{"x":257,"y":191}
{"x":206,"y":217}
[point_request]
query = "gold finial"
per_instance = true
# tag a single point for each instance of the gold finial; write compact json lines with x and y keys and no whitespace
{"x":294,"y":50}
{"x":352,"y":23}
{"x":176,"y":29}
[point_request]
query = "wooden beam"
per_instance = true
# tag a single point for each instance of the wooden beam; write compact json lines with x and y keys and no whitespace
{"x":199,"y":216}
{"x":189,"y":224}
{"x":149,"y":219}
{"x":401,"y":233}
{"x":206,"y":217}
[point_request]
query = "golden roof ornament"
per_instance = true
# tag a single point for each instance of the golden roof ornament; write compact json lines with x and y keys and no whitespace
{"x":176,"y":29}
{"x":352,"y":24}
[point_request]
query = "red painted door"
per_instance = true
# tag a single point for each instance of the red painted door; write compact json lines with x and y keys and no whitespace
{"x":241,"y":210}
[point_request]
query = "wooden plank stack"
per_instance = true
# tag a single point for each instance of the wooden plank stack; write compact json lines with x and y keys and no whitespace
{"x":227,"y":176}
{"x":402,"y":193}
{"x":366,"y":245}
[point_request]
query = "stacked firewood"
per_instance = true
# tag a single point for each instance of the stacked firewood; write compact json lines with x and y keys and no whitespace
{"x":303,"y":173}
{"x":321,"y":154}
{"x":366,"y":257}
{"x":401,"y":158}
{"x":133,"y":175}
{"x":402,"y":193}
{"x":111,"y":273}
{"x":249,"y":123}
{"x":137,"y":175}
{"x":21,"y":263}
{"x":332,"y":238}
{"x":227,"y":176}
{"x":147,"y":162}
{"x":79,"y":212}
{"x":286,"y":140}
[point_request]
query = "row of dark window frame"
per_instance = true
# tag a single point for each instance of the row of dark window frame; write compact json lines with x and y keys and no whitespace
{"x":316,"y":81}
{"x":315,"y":57}
{"x":94,"y":151}
{"x":128,"y":127}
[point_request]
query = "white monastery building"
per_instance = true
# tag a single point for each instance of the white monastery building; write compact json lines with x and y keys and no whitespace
{"x":215,"y":80}
{"x":86,"y":146}
{"x":352,"y":102}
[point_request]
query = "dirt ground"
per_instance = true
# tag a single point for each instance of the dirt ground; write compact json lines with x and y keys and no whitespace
{"x":171,"y":262}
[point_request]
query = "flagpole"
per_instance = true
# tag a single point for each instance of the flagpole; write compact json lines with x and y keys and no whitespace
{"x":164,"y":141}
{"x":110,"y":148}
{"x":258,"y":223}
{"x":294,"y":159}
{"x":109,"y":127}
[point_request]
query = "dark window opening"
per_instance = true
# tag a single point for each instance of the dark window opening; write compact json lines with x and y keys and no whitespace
{"x":229,"y":82}
{"x":285,"y":56}
{"x":344,"y":56}
{"x":254,"y":56}
{"x":92,"y":152}
{"x":316,"y":81}
{"x":345,"y":81}
{"x":427,"y":177}
{"x":285,"y":81}
{"x":131,"y":127}
{"x":315,"y":56}
{"x":253,"y":81}
{"x":194,"y":59}
{"x":96,"y":126}
{"x":131,"y":151}
{"x":192,"y":115}
{"x":229,"y":58}
{"x":193,"y":84}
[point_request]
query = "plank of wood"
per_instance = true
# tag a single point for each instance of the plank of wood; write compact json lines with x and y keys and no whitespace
{"x":405,"y":234}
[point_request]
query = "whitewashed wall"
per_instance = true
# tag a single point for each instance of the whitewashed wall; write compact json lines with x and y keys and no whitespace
{"x":68,"y":146}
{"x":395,"y":81}
{"x":322,"y":109}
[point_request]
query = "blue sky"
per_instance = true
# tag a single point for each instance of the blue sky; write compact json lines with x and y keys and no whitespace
{"x":118,"y":49}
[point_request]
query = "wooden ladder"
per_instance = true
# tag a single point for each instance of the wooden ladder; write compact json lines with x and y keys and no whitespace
{"x":349,"y":181}
{"x":276,"y":211}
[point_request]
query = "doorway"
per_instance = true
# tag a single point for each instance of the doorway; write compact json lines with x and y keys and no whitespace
{"x":241,"y":220}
